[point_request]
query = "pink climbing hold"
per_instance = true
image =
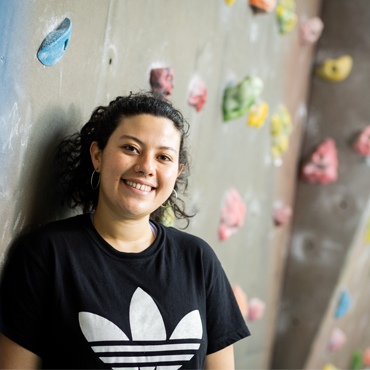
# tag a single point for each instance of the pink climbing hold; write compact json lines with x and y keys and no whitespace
{"x":282,"y":215}
{"x":366,"y":357}
{"x":198,"y":95}
{"x":322,"y":167}
{"x":256,"y":309}
{"x":161,"y":80}
{"x":362,"y":144}
{"x":311,"y":30}
{"x":337,"y":340}
{"x":232,"y":214}
{"x":241,"y":299}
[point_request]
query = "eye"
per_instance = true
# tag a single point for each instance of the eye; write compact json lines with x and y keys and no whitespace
{"x":130,"y":148}
{"x":165,"y":158}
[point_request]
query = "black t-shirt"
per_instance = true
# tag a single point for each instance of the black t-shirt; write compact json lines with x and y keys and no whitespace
{"x":77,"y":302}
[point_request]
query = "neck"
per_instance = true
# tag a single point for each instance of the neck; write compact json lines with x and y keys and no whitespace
{"x":125,"y":235}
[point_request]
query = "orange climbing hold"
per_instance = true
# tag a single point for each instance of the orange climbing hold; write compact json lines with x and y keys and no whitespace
{"x":266,"y":6}
{"x":366,"y":357}
{"x":241,"y":299}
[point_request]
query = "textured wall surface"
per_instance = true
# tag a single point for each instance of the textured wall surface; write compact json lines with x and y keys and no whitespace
{"x":327,"y":217}
{"x":113,"y":47}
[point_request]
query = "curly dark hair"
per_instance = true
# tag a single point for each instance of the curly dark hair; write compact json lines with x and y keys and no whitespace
{"x":74,"y":151}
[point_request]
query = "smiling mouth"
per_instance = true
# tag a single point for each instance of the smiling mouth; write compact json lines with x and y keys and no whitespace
{"x":138,"y":186}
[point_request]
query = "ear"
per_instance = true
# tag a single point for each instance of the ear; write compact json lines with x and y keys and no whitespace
{"x":180,"y":169}
{"x":95,"y":154}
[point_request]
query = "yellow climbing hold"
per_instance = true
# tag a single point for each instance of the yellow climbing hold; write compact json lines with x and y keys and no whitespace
{"x":281,"y":128}
{"x":285,"y":12}
{"x":258,"y":114}
{"x":335,"y":70}
{"x":330,"y":367}
{"x":230,"y":2}
{"x":367,"y":233}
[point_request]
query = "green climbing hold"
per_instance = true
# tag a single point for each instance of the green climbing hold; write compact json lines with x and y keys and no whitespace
{"x":239,"y":99}
{"x":356,"y":363}
{"x":168,"y":217}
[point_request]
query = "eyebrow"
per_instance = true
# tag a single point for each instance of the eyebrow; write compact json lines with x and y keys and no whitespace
{"x":143,"y":144}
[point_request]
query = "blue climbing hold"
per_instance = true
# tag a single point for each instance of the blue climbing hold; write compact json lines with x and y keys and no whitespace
{"x":55,"y":44}
{"x":344,"y":304}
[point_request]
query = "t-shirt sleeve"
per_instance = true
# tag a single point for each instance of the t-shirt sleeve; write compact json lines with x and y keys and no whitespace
{"x":225,"y":323}
{"x":23,"y":297}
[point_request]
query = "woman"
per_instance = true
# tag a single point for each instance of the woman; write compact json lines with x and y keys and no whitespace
{"x":113,"y":288}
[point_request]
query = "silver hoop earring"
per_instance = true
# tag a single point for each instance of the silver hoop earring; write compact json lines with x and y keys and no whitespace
{"x":170,"y":205}
{"x":91,"y":181}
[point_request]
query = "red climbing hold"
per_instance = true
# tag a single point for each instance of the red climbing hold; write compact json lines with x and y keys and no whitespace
{"x":362,"y":144}
{"x":232,"y":214}
{"x":322,"y":166}
{"x":161,"y":80}
{"x":256,"y":309}
{"x":311,"y":30}
{"x":198,"y":95}
{"x":282,"y":215}
{"x":337,"y":340}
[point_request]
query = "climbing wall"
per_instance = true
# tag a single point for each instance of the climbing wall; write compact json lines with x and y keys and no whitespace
{"x":240,"y":171}
{"x":327,"y":254}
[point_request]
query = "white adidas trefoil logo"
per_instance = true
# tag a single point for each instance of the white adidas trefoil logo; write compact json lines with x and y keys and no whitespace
{"x":147,"y":325}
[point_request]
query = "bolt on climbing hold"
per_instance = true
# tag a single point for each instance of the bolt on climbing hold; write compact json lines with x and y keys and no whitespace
{"x":281,"y":128}
{"x":55,"y":44}
{"x":256,"y":309}
{"x":232,"y":214}
{"x":329,"y":367}
{"x":344,"y":304}
{"x":335,"y":70}
{"x":198,"y":95}
{"x":258,"y":114}
{"x":282,"y":214}
{"x":241,"y":299}
{"x":239,"y":99}
{"x":366,"y":357}
{"x":286,"y":16}
{"x":263,"y":6}
{"x":337,"y":340}
{"x":356,"y":363}
{"x":168,"y":217}
{"x":310,"y":30}
{"x":367,"y":232}
{"x":362,"y":143}
{"x":161,"y":80}
{"x":322,"y":166}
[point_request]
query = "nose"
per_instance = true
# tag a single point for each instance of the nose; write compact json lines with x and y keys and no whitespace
{"x":145,"y":165}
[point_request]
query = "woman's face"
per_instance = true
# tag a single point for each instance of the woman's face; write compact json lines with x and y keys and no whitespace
{"x":138,"y":167}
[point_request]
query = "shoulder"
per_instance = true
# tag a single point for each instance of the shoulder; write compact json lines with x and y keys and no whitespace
{"x":189,"y":244}
{"x":53,"y":233}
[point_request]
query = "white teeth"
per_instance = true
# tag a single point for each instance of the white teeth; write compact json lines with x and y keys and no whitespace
{"x":138,"y":186}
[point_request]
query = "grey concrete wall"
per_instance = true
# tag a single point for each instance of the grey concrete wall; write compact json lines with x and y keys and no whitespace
{"x":355,"y":278}
{"x":220,"y":44}
{"x":327,"y":216}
